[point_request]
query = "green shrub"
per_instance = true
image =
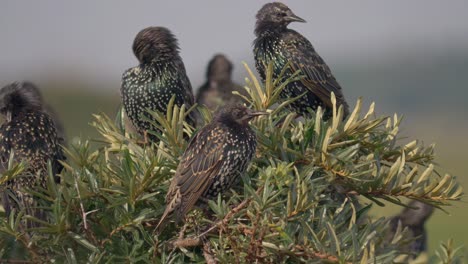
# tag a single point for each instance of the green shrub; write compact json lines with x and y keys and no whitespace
{"x":298,"y":202}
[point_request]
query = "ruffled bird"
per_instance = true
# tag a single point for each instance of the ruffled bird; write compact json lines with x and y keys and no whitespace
{"x":213,"y":162}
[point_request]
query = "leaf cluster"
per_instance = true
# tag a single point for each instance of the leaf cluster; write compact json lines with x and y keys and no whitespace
{"x":304,"y":198}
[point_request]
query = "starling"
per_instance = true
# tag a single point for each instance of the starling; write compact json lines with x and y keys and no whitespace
{"x":34,"y":91}
{"x":30,"y":134}
{"x":214,"y":160}
{"x":219,"y":86}
{"x":160,"y":76}
{"x":275,"y":42}
{"x":413,"y":217}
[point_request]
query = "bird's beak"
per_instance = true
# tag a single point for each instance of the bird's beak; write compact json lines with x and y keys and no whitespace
{"x":293,"y":18}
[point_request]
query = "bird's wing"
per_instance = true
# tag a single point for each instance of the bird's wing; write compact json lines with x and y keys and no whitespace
{"x":56,"y":152}
{"x":189,"y":99}
{"x":127,"y":77}
{"x":200,"y":164}
{"x":5,"y":146}
{"x":42,"y":146}
{"x":4,"y":157}
{"x":318,"y":76}
{"x":185,"y":82}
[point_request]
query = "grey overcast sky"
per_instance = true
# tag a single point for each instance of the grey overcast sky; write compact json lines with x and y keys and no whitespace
{"x":49,"y":39}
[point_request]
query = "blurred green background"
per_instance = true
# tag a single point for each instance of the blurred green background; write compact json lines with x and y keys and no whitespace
{"x":409,"y":57}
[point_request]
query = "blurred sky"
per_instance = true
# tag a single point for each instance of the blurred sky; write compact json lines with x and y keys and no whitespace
{"x":92,"y":39}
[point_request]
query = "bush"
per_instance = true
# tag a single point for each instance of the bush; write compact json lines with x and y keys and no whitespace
{"x":300,"y":200}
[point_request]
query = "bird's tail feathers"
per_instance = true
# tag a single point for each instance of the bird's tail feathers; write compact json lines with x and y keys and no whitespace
{"x":163,"y":222}
{"x":171,"y":207}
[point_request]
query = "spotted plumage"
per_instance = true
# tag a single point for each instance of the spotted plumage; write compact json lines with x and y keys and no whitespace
{"x":219,"y":87}
{"x":29,"y":132}
{"x":275,"y":42}
{"x":34,"y":91}
{"x":414,"y":218}
{"x":213,"y":162}
{"x":160,"y":75}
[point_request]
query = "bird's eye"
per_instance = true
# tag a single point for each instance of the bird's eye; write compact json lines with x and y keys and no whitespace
{"x":282,"y":14}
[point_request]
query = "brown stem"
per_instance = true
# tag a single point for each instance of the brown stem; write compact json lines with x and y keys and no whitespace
{"x":207,"y":253}
{"x":25,"y":240}
{"x":196,"y":241}
{"x":16,"y":261}
{"x":187,"y":242}
{"x":252,"y":250}
{"x":316,"y":255}
{"x":182,"y":231}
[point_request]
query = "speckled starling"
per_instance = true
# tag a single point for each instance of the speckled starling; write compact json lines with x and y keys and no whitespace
{"x":275,"y":42}
{"x":160,"y":75}
{"x":414,"y":220}
{"x":213,"y":162}
{"x":218,"y":88}
{"x":30,"y":134}
{"x":34,"y":92}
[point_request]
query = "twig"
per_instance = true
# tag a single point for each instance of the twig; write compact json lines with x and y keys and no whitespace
{"x":196,"y":241}
{"x":230,"y":214}
{"x":116,"y":230}
{"x":83,"y":213}
{"x":182,"y":231}
{"x":16,"y":261}
{"x":319,"y":255}
{"x":26,"y":240}
{"x":120,"y":228}
{"x":316,"y":255}
{"x":302,"y":162}
{"x":207,"y":253}
{"x":253,"y":245}
{"x":187,"y":242}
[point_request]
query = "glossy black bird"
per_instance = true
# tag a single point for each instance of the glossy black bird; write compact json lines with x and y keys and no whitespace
{"x":214,"y":160}
{"x":414,"y":220}
{"x":30,"y":133}
{"x":218,"y":88}
{"x":160,"y":75}
{"x":34,"y":91}
{"x":275,"y":42}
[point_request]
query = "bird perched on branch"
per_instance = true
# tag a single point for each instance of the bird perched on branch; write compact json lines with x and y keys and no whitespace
{"x":30,"y":133}
{"x":160,"y":75}
{"x":277,"y":44}
{"x":219,"y":86}
{"x":414,"y":217}
{"x":214,"y":160}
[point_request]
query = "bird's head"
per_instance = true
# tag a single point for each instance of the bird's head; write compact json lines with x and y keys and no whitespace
{"x":19,"y":96}
{"x":154,"y":44}
{"x":275,"y":16}
{"x":237,"y":114}
{"x":416,"y":214}
{"x":219,"y":68}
